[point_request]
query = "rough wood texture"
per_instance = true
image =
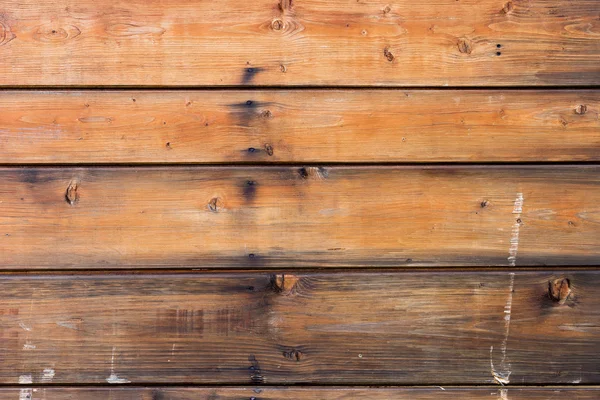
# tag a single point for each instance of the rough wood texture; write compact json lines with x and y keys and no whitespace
{"x":345,"y":328}
{"x":299,"y":126}
{"x":215,"y":217}
{"x":300,"y":42}
{"x":288,"y":393}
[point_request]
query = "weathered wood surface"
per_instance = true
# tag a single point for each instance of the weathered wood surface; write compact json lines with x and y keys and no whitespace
{"x":294,"y":393}
{"x":300,"y":42}
{"x":343,"y":328}
{"x":299,"y":126}
{"x":269,"y":217}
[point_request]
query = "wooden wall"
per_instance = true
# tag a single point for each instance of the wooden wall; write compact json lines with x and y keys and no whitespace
{"x":300,"y":199}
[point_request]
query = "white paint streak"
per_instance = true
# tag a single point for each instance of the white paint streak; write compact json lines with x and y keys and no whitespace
{"x":25,"y":379}
{"x":502,"y":375}
{"x":24,"y":327}
{"x":25,"y":394}
{"x":28,"y":346}
{"x":47,"y":375}
{"x":514,"y":238}
{"x":113,"y":378}
{"x":503,"y":394}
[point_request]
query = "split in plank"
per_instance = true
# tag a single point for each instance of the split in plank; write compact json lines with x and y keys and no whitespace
{"x":298,"y":126}
{"x":297,"y":393}
{"x":308,"y":42}
{"x":423,"y":327}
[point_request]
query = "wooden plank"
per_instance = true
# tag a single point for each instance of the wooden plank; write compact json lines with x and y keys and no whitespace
{"x":293,"y":393}
{"x":266,"y":217}
{"x":299,"y":126}
{"x":437,"y":328}
{"x":308,"y":42}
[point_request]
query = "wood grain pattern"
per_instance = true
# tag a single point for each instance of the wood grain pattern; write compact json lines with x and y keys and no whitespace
{"x":265,"y":217}
{"x":433,"y":328}
{"x":298,"y":126}
{"x":308,"y":42}
{"x":293,"y":393}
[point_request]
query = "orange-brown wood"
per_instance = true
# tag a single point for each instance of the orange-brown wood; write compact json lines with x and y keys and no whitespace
{"x":216,"y":217}
{"x":298,"y":126}
{"x":432,"y":328}
{"x":294,"y":393}
{"x":300,"y":42}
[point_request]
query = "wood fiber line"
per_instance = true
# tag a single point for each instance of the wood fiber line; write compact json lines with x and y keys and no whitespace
{"x":280,"y":217}
{"x":344,"y":328}
{"x":307,"y":42}
{"x":299,"y":126}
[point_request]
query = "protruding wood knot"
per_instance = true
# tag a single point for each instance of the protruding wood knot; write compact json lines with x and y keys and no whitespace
{"x":214,"y":204}
{"x":269,"y":149}
{"x":277,"y":25}
{"x":508,"y":7}
{"x":559,"y":290}
{"x":312,"y":173}
{"x":581,"y":109}
{"x":484,"y":203}
{"x":5,"y":34}
{"x":464,"y":46}
{"x":388,"y":54}
{"x":284,"y":283}
{"x":71,"y":194}
{"x":293,"y":355}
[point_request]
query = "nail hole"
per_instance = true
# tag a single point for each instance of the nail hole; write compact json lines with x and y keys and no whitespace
{"x":498,"y":53}
{"x":498,"y":45}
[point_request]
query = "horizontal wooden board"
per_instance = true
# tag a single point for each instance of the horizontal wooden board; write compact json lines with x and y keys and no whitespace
{"x":432,"y":328}
{"x":258,"y":217}
{"x":293,"y":393}
{"x":298,"y":126}
{"x":293,"y":42}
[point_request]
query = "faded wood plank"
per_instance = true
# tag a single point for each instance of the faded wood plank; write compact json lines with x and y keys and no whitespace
{"x":433,"y":328}
{"x":268,"y":217}
{"x":308,"y":42}
{"x":299,"y":126}
{"x":293,"y":393}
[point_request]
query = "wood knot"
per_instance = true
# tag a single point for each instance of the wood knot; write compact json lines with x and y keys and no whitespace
{"x":214,"y":204}
{"x":388,"y":54}
{"x":293,"y":355}
{"x":71,"y":194}
{"x":559,"y":290}
{"x":277,"y":25}
{"x":50,"y":34}
{"x":266,"y":114}
{"x":283,"y":68}
{"x":484,"y":204}
{"x":5,"y":34}
{"x":269,"y":149}
{"x":312,"y":173}
{"x":464,"y":46}
{"x":387,"y":10}
{"x":581,"y":109}
{"x":284,"y":283}
{"x":508,"y":7}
